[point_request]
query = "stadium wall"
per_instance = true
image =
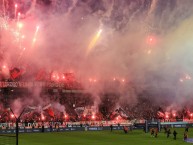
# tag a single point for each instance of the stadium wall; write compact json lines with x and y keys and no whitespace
{"x":38,"y":130}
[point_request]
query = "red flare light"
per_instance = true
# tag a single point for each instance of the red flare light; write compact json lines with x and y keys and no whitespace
{"x":93,"y":117}
{"x":20,"y":25}
{"x":43,"y":117}
{"x":151,"y":40}
{"x":4,"y":66}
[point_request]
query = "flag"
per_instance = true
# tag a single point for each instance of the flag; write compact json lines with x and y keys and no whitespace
{"x":79,"y":110}
{"x":41,"y":75}
{"x":160,"y":114}
{"x":48,"y":109}
{"x":122,"y":113}
{"x":15,"y":73}
{"x":29,"y":109}
{"x":50,"y":112}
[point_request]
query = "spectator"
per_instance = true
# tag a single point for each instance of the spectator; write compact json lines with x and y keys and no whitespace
{"x":42,"y":127}
{"x":125,"y":129}
{"x":168,"y":133}
{"x":175,"y":134}
{"x":156,"y":132}
{"x":152,"y":132}
{"x":185,"y":135}
{"x":186,"y":129}
{"x":111,"y":127}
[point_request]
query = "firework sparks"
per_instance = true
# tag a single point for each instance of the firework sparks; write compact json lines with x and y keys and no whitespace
{"x":94,"y":41}
{"x":35,"y":35}
{"x":15,"y":10}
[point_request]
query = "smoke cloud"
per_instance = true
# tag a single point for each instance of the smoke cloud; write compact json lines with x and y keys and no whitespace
{"x":145,"y":42}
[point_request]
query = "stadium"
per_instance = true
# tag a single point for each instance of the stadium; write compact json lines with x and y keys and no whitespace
{"x":96,"y":72}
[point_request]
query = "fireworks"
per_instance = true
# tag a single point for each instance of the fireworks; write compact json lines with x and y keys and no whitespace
{"x":186,"y":77}
{"x":15,"y":10}
{"x":20,"y":25}
{"x":94,"y":40}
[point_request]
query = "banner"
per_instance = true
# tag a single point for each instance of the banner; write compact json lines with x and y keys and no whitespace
{"x":38,"y":84}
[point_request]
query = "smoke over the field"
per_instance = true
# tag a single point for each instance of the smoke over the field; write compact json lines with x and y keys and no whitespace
{"x":148,"y":43}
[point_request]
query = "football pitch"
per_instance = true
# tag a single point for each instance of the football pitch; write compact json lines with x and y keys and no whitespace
{"x":136,"y":137}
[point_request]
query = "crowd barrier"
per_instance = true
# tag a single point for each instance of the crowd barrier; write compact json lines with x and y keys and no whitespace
{"x":97,"y":128}
{"x":39,"y":130}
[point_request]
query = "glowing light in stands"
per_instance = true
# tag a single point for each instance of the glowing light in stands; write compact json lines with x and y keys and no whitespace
{"x":20,"y":25}
{"x":191,"y":114}
{"x":4,"y":66}
{"x":84,"y":115}
{"x":65,"y":116}
{"x":57,"y":77}
{"x":93,"y":116}
{"x":167,"y":116}
{"x":123,"y":80}
{"x":114,"y":79}
{"x":12,"y":116}
{"x":174,"y":114}
{"x":117,"y":118}
{"x":43,"y":117}
{"x":19,"y":14}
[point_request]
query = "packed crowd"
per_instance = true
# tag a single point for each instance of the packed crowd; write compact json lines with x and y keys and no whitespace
{"x":81,"y":107}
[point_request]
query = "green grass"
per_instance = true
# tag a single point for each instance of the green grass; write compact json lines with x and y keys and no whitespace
{"x":137,"y":137}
